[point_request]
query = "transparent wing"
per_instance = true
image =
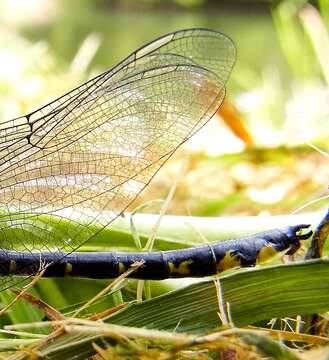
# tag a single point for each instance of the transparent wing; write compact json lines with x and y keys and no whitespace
{"x":88,"y":154}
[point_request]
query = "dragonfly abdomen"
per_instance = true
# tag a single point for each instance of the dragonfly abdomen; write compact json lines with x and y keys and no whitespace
{"x":204,"y":260}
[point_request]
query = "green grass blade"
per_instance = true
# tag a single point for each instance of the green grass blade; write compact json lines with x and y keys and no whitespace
{"x":276,"y":291}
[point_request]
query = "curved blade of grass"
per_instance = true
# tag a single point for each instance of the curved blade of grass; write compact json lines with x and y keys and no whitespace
{"x":265,"y":293}
{"x":174,"y":232}
{"x":182,"y":231}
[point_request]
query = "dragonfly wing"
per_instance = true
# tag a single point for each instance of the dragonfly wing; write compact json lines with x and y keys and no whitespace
{"x":87,"y":155}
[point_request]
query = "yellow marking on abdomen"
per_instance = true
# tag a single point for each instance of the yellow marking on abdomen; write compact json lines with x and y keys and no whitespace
{"x":228,"y":262}
{"x":181,"y":268}
{"x":266,"y":253}
{"x":324,"y":229}
{"x":122,"y":268}
{"x":12,"y":266}
{"x":68,"y":268}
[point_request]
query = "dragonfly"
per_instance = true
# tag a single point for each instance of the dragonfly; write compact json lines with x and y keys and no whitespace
{"x":83,"y":158}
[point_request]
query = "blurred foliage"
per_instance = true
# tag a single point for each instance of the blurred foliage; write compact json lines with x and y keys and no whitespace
{"x":277,"y":84}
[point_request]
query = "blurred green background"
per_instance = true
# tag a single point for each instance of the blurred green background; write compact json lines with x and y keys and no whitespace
{"x":279,"y":86}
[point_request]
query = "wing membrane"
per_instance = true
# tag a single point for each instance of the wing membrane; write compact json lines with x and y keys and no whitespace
{"x":88,"y":154}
